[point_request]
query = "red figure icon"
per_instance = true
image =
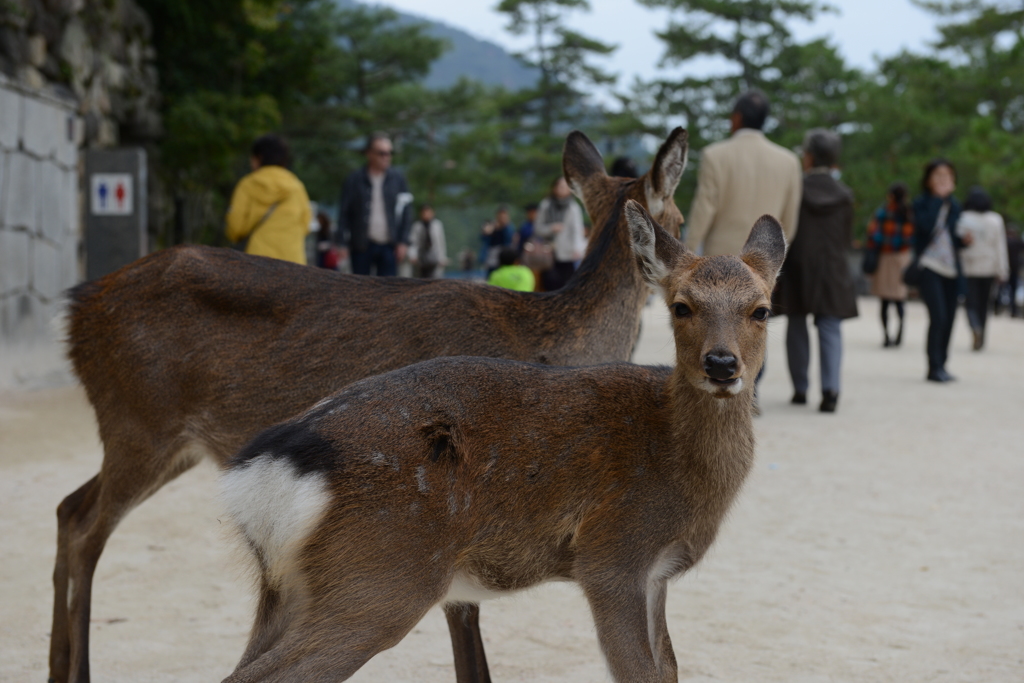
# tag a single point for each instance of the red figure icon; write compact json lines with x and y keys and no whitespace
{"x":119,"y":194}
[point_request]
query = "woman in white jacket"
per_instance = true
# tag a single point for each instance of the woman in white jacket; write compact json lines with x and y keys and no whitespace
{"x":560,"y":220}
{"x":985,"y":261}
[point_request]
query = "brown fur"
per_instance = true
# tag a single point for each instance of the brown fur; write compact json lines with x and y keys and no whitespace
{"x":190,"y":351}
{"x":614,"y":476}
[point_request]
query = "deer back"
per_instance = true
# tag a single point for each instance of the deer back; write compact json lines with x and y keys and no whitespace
{"x":197,"y":343}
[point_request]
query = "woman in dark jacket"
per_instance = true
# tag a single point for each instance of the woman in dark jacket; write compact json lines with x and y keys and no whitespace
{"x":816,"y":278}
{"x":937,"y":247}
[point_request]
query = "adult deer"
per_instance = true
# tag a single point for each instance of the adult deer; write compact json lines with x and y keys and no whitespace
{"x":191,"y":351}
{"x":403,"y":491}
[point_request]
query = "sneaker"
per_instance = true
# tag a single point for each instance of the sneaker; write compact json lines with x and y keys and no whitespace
{"x":829,"y":399}
{"x":799,"y":398}
{"x":940,"y":375}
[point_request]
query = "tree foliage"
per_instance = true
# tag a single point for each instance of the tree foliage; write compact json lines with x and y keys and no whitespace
{"x":326,"y":75}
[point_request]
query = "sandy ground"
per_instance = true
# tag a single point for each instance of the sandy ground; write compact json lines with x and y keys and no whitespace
{"x":882,"y":543}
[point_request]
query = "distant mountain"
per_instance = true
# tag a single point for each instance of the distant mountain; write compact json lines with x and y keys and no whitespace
{"x":480,"y":60}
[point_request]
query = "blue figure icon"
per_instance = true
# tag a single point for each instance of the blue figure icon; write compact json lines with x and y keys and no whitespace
{"x":103,"y":195}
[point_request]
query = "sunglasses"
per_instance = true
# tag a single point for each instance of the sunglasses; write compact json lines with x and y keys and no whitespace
{"x":382,"y":153}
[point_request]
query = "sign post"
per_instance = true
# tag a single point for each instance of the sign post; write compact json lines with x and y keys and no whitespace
{"x":115,"y":213}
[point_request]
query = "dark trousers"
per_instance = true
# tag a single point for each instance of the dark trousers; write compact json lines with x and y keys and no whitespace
{"x":885,"y":318}
{"x":940,"y":296}
{"x":979,"y":294}
{"x":379,"y":257}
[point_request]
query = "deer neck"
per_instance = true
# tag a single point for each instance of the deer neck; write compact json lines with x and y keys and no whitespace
{"x":714,"y":442}
{"x":603,"y":300}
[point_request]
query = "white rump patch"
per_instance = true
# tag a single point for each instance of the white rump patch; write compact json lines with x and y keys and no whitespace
{"x":274,"y":506}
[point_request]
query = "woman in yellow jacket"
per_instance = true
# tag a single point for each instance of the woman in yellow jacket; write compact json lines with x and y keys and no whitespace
{"x":270,"y":205}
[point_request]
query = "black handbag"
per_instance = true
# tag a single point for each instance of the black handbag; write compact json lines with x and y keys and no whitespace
{"x":912,"y":273}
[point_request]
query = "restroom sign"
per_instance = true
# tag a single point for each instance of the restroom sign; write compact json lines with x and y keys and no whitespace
{"x":111,"y":194}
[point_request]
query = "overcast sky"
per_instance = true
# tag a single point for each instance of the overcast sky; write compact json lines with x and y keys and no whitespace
{"x":863,"y":29}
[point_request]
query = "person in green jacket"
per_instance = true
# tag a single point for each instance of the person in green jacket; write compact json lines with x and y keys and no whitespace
{"x":270,"y":206}
{"x":509,"y":274}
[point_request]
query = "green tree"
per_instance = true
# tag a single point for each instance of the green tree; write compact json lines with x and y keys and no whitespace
{"x":561,"y":55}
{"x":754,"y":39}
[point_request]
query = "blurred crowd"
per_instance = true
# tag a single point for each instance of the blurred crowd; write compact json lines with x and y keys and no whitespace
{"x":946,"y":252}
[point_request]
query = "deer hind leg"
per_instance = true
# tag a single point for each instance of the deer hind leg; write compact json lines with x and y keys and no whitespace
{"x":321,"y":647}
{"x":60,"y":643}
{"x":270,"y":624}
{"x":467,"y":643}
{"x":627,"y":621}
{"x":85,"y":521}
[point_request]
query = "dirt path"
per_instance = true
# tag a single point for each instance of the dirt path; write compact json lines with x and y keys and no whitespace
{"x":883,"y":543}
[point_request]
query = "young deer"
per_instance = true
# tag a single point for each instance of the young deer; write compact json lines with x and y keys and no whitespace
{"x":404,"y":490}
{"x":190,"y":352}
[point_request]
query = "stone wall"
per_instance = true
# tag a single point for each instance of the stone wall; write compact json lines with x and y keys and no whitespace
{"x":99,"y":53}
{"x":40,"y":232}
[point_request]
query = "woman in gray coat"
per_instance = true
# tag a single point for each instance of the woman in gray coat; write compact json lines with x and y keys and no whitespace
{"x":816,"y":277}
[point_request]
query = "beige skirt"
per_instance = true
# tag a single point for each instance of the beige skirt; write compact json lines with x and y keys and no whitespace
{"x":887,"y":282}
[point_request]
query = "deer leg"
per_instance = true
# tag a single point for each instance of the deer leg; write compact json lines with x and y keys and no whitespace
{"x":624,"y":631}
{"x":105,"y":500}
{"x":467,"y":643}
{"x":60,"y":641}
{"x":270,"y":624}
{"x":657,"y":626}
{"x":335,"y":646}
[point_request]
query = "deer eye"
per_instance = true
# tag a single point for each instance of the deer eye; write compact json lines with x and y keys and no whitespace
{"x":761,"y":314}
{"x":681,"y":310}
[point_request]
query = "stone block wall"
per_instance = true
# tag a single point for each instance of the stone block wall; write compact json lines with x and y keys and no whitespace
{"x":40,"y":233}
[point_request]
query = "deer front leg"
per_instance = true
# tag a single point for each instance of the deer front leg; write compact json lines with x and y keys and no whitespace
{"x":467,"y":643}
{"x":629,"y":617}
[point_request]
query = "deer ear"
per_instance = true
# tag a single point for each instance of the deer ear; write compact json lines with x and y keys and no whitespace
{"x":656,"y":251}
{"x":668,"y":168}
{"x":765,"y":249}
{"x":582,"y":164}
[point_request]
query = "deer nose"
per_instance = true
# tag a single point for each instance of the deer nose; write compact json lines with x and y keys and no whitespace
{"x":720,"y":366}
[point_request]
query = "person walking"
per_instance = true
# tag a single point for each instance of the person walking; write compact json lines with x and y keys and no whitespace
{"x":375,"y":212}
{"x":815,"y":278}
{"x":891,"y":236}
{"x":739,"y":180}
{"x":1015,"y":252}
{"x":428,"y":252}
{"x":937,"y":250}
{"x":269,"y":207}
{"x":494,"y":236}
{"x":560,"y":221}
{"x":985,"y":261}
{"x":525,"y":232}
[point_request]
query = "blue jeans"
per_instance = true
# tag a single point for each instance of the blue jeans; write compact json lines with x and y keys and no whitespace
{"x":798,"y":350}
{"x":380,"y":256}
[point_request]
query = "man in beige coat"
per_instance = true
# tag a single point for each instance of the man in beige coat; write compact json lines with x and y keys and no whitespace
{"x":740,"y":180}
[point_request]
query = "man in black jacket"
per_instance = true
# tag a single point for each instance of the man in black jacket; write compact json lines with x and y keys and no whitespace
{"x":375,"y":213}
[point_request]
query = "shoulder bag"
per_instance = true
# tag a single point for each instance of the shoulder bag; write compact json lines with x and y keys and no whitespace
{"x":912,"y":273}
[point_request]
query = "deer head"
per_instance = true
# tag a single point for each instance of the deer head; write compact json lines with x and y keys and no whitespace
{"x":584,"y":170}
{"x":721,"y":332}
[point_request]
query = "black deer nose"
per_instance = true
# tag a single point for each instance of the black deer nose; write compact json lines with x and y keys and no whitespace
{"x":720,"y":367}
